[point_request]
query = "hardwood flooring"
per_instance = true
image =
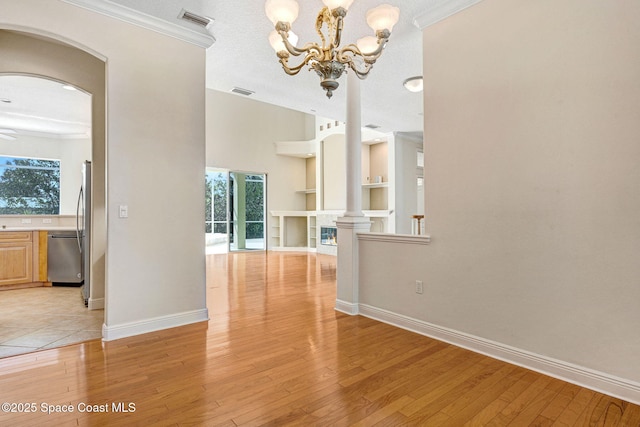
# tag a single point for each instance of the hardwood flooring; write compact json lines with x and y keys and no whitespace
{"x":276,"y":353}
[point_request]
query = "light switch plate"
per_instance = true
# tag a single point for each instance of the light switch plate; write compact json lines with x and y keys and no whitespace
{"x":123,"y":211}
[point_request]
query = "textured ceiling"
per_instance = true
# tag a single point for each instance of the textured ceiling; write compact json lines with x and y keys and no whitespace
{"x":242,"y":57}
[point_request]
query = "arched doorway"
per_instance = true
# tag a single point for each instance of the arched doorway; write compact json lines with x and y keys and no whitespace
{"x":27,"y":53}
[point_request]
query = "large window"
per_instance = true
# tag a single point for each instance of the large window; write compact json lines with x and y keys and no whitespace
{"x":235,"y":211}
{"x":29,"y":186}
{"x":216,"y":202}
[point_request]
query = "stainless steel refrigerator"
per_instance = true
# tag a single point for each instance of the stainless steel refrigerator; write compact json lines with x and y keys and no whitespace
{"x":83,"y":229}
{"x":68,"y":250}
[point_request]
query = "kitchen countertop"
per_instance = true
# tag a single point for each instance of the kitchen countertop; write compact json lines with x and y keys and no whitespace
{"x":39,"y":228}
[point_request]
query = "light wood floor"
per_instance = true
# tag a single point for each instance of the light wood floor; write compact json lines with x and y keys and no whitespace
{"x":276,"y":353}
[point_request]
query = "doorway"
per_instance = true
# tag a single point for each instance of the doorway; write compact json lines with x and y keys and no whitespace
{"x":235,"y":211}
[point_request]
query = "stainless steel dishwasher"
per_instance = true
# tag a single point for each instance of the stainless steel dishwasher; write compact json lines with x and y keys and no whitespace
{"x":64,"y":260}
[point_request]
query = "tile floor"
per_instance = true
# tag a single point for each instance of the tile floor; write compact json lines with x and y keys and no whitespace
{"x":39,"y":318}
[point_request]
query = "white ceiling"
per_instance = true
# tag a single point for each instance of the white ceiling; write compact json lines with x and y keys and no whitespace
{"x":242,"y":57}
{"x":41,"y":107}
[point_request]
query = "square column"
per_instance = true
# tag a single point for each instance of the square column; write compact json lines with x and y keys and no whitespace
{"x":348,"y":263}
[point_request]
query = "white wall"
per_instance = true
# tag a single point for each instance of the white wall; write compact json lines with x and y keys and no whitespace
{"x":241,"y":133}
{"x":531,"y":174}
{"x":70,"y":152}
{"x":155,"y":163}
{"x":334,"y":191}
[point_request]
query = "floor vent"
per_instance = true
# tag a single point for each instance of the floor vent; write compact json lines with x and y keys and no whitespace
{"x":245,"y":92}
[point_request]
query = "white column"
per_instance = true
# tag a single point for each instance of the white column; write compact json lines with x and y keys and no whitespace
{"x":353,"y":147}
{"x":353,"y":221}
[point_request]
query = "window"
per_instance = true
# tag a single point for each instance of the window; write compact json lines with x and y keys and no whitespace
{"x":29,"y":186}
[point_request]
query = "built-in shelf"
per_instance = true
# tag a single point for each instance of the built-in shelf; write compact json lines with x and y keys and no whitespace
{"x":296,"y":230}
{"x":376,"y":185}
{"x":377,"y":213}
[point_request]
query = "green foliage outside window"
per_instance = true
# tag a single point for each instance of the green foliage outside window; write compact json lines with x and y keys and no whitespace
{"x":29,"y":186}
{"x":216,"y":204}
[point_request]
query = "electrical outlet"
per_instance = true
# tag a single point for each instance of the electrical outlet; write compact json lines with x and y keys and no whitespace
{"x":46,"y":220}
{"x":123,"y":211}
{"x":419,"y":287}
{"x":26,"y":221}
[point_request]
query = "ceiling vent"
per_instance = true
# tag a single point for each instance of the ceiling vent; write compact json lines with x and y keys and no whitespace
{"x":202,"y":21}
{"x":372,"y":126}
{"x":245,"y":92}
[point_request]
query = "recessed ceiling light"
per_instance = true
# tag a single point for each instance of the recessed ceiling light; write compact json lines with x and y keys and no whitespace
{"x":413,"y":84}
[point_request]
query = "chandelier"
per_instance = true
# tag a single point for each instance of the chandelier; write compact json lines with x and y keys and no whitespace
{"x":328,"y":59}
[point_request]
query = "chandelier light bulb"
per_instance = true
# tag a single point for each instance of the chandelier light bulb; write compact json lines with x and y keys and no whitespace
{"x":334,"y":4}
{"x":275,"y":39}
{"x":281,"y":10}
{"x":368,"y":44}
{"x":383,"y":17}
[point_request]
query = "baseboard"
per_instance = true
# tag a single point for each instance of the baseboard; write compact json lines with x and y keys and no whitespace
{"x":96,"y":303}
{"x":584,"y":377}
{"x":346,"y":307}
{"x":292,"y":249}
{"x":110,"y":333}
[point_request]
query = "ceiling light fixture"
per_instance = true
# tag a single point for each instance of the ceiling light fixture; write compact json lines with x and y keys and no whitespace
{"x":326,"y":59}
{"x":413,"y":84}
{"x":69,"y":87}
{"x":5,"y":100}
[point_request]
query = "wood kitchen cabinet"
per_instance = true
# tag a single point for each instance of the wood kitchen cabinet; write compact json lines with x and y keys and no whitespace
{"x":23,"y":259}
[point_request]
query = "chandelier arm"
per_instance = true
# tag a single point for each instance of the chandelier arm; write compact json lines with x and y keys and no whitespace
{"x":292,"y":71}
{"x":338,"y":35}
{"x":324,"y":16}
{"x":362,"y":74}
{"x":309,"y":48}
{"x":352,"y":51}
{"x":369,"y":56}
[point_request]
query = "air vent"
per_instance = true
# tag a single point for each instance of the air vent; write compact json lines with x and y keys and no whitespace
{"x":372,"y":126}
{"x":203,"y":21}
{"x":245,"y":92}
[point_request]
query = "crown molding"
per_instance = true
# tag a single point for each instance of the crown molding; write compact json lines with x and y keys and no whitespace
{"x":132,"y":16}
{"x":438,"y":10}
